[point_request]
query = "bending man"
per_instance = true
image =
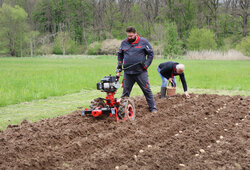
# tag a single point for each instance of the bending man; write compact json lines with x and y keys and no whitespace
{"x":167,"y":72}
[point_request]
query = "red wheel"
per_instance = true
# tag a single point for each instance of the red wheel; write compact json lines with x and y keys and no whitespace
{"x":126,"y":109}
{"x":130,"y":112}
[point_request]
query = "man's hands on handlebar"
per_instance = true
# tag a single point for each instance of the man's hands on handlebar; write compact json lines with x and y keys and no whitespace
{"x":119,"y":68}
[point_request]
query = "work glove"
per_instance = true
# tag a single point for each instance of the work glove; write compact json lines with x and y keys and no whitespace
{"x":119,"y":68}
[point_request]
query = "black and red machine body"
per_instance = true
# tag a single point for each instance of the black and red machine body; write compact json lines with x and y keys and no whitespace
{"x":122,"y":109}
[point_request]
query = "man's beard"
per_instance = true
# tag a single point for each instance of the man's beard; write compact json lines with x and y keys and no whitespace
{"x":131,"y":40}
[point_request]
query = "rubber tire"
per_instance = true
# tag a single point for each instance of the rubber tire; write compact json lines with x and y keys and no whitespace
{"x":124,"y":103}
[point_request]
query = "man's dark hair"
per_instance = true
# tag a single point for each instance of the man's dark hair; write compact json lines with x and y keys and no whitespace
{"x":131,"y":29}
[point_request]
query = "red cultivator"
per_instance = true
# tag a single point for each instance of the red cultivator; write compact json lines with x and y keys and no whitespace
{"x":123,"y":109}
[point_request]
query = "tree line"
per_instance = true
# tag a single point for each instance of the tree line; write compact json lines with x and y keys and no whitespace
{"x":34,"y":27}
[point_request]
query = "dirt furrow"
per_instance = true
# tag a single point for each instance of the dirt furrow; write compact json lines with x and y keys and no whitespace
{"x":205,"y":131}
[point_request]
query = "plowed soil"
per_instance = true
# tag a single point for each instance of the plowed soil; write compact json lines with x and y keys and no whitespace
{"x":202,"y":132}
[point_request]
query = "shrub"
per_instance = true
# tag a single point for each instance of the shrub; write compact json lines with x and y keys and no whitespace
{"x":94,"y":48}
{"x":110,"y":46}
{"x":244,"y":46}
{"x":45,"y":49}
{"x":56,"y":48}
{"x":80,"y":49}
{"x":201,"y":39}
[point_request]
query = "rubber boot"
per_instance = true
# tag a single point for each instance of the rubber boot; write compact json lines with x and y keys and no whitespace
{"x":163,"y":92}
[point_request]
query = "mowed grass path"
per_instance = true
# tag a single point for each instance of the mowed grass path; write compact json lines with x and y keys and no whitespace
{"x":26,"y":79}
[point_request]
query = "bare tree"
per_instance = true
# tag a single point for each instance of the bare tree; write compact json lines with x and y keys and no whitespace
{"x":234,"y":13}
{"x":244,"y":4}
{"x":199,"y":13}
{"x":180,"y":12}
{"x":28,"y":6}
{"x":179,"y":15}
{"x":111,"y":15}
{"x":170,"y":9}
{"x":157,"y":3}
{"x":213,"y":6}
{"x":94,"y":24}
{"x":83,"y":25}
{"x":226,"y":11}
{"x":125,"y":9}
{"x":33,"y":38}
{"x":147,"y":9}
{"x":99,"y":7}
{"x":1,"y":2}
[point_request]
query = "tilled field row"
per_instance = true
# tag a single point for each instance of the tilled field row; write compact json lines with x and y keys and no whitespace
{"x":205,"y":131}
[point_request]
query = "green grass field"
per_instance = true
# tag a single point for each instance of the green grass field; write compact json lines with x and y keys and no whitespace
{"x":26,"y":79}
{"x":42,"y":87}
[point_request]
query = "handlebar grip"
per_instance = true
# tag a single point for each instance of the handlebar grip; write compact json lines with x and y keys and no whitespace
{"x":118,"y":74}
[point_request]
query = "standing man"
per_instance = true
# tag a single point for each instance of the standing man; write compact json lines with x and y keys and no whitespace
{"x":167,"y":72}
{"x":135,"y":56}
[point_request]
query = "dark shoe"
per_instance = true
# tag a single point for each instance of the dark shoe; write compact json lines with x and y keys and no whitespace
{"x":154,"y":111}
{"x":163,"y":92}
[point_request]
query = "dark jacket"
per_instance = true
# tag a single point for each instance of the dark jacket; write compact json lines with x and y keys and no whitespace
{"x":168,"y":69}
{"x":139,"y":52}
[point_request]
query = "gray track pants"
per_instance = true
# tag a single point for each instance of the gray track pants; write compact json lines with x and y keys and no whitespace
{"x":142,"y":80}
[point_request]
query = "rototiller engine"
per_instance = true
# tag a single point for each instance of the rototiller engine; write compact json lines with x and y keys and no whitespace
{"x":122,"y":109}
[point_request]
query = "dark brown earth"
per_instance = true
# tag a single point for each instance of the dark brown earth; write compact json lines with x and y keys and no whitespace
{"x":203,"y":132}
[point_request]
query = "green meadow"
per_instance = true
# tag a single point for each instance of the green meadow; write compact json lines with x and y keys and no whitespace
{"x":26,"y":79}
{"x":43,"y":87}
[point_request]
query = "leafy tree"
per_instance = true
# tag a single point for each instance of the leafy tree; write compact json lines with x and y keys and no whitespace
{"x":48,"y":15}
{"x":201,"y":39}
{"x":225,"y":25}
{"x":112,"y":19}
{"x":63,"y":44}
{"x":79,"y":18}
{"x":14,"y":28}
{"x":137,"y":20}
{"x":173,"y":46}
{"x":65,"y":15}
{"x":180,"y":12}
{"x":27,"y":5}
{"x":87,"y":21}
